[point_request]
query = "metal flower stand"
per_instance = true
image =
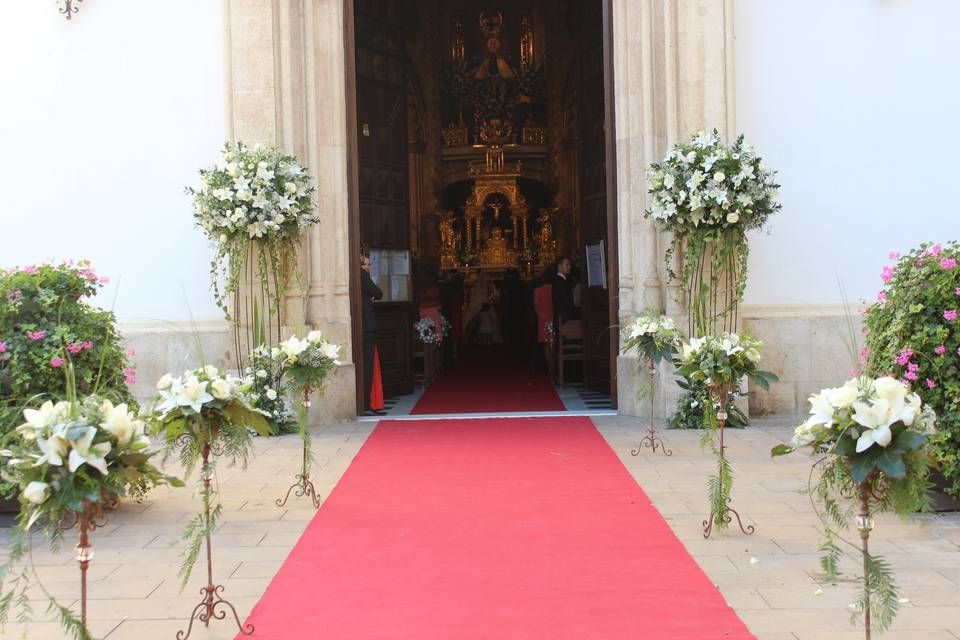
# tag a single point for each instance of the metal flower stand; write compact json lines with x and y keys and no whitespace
{"x":211,"y":593}
{"x":90,"y":518}
{"x":652,"y":440}
{"x":303,"y":485}
{"x":720,"y":395}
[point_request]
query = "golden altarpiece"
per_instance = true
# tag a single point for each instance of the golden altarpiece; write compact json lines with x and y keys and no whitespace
{"x":504,"y":169}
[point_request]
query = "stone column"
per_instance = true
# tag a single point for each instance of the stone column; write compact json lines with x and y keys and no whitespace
{"x":673,"y":75}
{"x":285,"y":86}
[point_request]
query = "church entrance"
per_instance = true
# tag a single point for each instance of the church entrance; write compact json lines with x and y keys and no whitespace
{"x":483,"y":196}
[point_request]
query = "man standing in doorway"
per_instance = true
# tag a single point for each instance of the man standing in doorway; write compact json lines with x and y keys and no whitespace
{"x":563,"y":308}
{"x":369,"y":292}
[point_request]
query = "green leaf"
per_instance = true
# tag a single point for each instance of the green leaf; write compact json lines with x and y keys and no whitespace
{"x":891,"y":463}
{"x":863,"y":465}
{"x":846,"y":445}
{"x":781,"y":450}
{"x":908,"y":441}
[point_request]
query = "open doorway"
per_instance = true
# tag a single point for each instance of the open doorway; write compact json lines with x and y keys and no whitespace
{"x":482,"y":159}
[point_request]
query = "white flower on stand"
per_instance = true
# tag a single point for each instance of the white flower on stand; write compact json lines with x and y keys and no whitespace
{"x":330,"y":351}
{"x":85,"y":452}
{"x":37,"y":492}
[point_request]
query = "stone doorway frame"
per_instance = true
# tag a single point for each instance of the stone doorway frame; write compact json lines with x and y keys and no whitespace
{"x":671,"y":74}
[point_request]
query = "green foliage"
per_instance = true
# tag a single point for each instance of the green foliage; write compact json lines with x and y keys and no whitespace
{"x":909,"y":336}
{"x":693,"y":401}
{"x":269,"y":391}
{"x":48,"y":301}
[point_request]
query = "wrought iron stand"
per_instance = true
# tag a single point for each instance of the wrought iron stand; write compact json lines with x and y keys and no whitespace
{"x":864,"y":526}
{"x":721,"y":394}
{"x":652,"y":440}
{"x":90,"y":518}
{"x":303,"y":485}
{"x":211,"y":593}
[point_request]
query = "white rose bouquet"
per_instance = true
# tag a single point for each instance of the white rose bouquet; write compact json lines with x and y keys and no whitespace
{"x":870,"y":437}
{"x":268,"y":391}
{"x":708,"y":195}
{"x":253,"y":197}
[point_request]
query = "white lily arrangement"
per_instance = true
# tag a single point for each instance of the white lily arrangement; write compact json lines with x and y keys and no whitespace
{"x":69,"y":459}
{"x":306,"y":362}
{"x":654,"y":335}
{"x":870,"y":438}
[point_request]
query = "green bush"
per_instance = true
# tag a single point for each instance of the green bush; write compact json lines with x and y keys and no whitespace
{"x":913,"y":333}
{"x":44,"y":321}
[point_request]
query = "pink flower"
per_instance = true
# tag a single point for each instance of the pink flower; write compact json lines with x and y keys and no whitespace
{"x":130,"y":375}
{"x":940,"y":350}
{"x":950,"y":314}
{"x":86,"y":345}
{"x":894,"y":255}
{"x":931,"y":384}
{"x":947,"y":263}
{"x":36,"y":335}
{"x":103,"y":280}
{"x":887,"y":273}
{"x":904,"y":357}
{"x":866,"y":330}
{"x":913,"y":367}
{"x":958,"y":291}
{"x":56,"y":362}
{"x":131,"y":352}
{"x":31,"y":269}
{"x":910,"y":375}
{"x":881,"y":297}
{"x":3,"y":346}
{"x":936,"y":249}
{"x":14,"y":295}
{"x":74,"y":347}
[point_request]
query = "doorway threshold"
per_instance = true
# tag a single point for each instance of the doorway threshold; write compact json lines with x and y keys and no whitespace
{"x":506,"y":414}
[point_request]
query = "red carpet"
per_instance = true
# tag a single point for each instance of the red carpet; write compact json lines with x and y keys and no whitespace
{"x":496,"y":529}
{"x":485,"y":379}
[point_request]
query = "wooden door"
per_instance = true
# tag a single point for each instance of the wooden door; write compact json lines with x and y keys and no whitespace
{"x":593,"y":194}
{"x":382,"y":168}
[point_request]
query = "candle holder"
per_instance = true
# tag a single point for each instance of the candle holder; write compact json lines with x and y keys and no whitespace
{"x":652,"y":440}
{"x":720,"y":395}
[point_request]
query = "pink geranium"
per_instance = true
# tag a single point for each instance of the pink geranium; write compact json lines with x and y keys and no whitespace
{"x":886,"y":273}
{"x":947,"y":263}
{"x":950,"y":314}
{"x":131,"y":352}
{"x":931,"y":384}
{"x":940,"y":350}
{"x":881,"y":297}
{"x":958,"y":291}
{"x":130,"y":375}
{"x":904,"y":357}
{"x":56,"y":362}
{"x":894,"y":255}
{"x":3,"y":346}
{"x":910,"y":375}
{"x":36,"y":335}
{"x":936,"y":249}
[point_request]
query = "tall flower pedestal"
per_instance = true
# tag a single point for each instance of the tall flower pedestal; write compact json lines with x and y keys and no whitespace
{"x":90,"y":518}
{"x":721,"y":514}
{"x":212,"y":598}
{"x":652,"y":440}
{"x":303,"y":485}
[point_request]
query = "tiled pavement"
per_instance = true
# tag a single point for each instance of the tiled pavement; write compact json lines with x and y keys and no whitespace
{"x":769,"y":578}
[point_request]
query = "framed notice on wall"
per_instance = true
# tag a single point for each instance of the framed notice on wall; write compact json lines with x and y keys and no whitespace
{"x":596,"y":265}
{"x":390,"y":270}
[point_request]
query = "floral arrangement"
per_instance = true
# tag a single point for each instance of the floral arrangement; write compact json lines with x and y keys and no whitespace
{"x":307,"y":362}
{"x":708,"y":195}
{"x":44,"y":323}
{"x":870,"y":438}
{"x":252,"y":205}
{"x":429,"y":333}
{"x":720,"y":362}
{"x":268,"y":390}
{"x":913,"y":334}
{"x":654,"y":335}
{"x":69,"y":461}
{"x":199,"y":413}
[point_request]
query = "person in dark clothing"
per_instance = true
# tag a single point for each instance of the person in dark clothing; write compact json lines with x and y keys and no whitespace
{"x":563,"y":308}
{"x":369,"y":292}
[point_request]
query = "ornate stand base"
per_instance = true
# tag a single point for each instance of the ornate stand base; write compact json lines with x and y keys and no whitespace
{"x":652,"y":440}
{"x":304,"y":487}
{"x":726,"y":519}
{"x":207,"y":609}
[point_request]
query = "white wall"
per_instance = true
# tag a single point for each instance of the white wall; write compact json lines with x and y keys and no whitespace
{"x":857,"y":104}
{"x":104,"y":120}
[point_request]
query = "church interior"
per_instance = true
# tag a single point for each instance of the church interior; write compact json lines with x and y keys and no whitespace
{"x":481,"y":162}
